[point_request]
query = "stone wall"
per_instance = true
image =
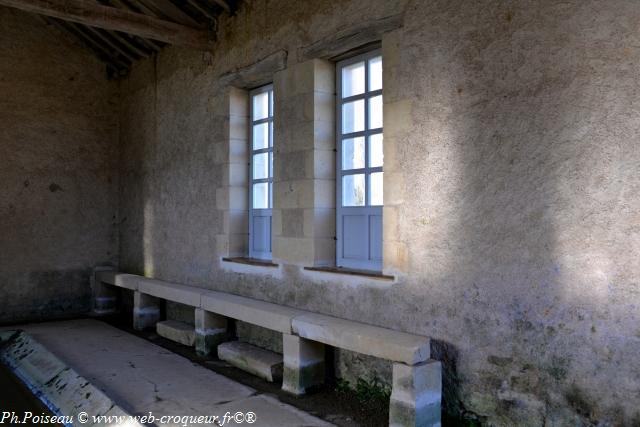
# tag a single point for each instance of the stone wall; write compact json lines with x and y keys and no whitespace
{"x":512,"y":189}
{"x":58,"y":139}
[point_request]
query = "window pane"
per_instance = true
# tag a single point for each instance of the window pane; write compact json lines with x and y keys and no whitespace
{"x":353,"y":79}
{"x":270,"y":134}
{"x":375,"y":188}
{"x":270,"y":195}
{"x":261,"y":166}
{"x":270,"y":165}
{"x":271,"y":103}
{"x":353,"y":153}
{"x":260,"y":136}
{"x":376,"y":154}
{"x":353,"y":116}
{"x":353,"y":190}
{"x":260,"y":106}
{"x":260,"y":195}
{"x":375,"y":112}
{"x":375,"y":73}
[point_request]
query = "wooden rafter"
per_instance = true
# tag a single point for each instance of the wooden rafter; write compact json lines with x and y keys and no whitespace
{"x":105,"y":38}
{"x":111,"y":18}
{"x":168,"y":10}
{"x":123,"y":39}
{"x":201,"y":9}
{"x":112,"y":63}
{"x":223,"y":4}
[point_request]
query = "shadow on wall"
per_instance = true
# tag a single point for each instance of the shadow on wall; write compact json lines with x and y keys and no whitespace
{"x":57,"y":132}
{"x":135,"y":195}
{"x":169,"y":145}
{"x":519,"y":204}
{"x":522,"y":196}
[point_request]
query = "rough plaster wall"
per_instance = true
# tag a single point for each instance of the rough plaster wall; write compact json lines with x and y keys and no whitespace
{"x":522,"y":196}
{"x":58,"y":135}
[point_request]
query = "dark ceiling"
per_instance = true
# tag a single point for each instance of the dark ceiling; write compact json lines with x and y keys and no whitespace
{"x":120,"y":50}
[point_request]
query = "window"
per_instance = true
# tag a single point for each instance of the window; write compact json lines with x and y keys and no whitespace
{"x":261,"y":172}
{"x":359,"y":162}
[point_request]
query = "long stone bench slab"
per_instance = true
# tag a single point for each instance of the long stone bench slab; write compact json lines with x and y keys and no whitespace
{"x":261,"y":313}
{"x":362,"y":338}
{"x":121,"y":280}
{"x":182,"y":294}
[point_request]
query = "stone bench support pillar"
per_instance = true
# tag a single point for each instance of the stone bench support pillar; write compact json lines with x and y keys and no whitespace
{"x":211,"y":330}
{"x":146,"y":311}
{"x":105,"y":297}
{"x":416,"y":395}
{"x":303,"y":364}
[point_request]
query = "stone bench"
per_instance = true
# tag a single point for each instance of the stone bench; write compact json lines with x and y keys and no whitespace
{"x":260,"y":313}
{"x":417,"y":383}
{"x":417,"y":380}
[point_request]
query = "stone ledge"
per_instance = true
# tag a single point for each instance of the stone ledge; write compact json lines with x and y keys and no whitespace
{"x":350,"y":272}
{"x":346,"y":42}
{"x":250,"y":261}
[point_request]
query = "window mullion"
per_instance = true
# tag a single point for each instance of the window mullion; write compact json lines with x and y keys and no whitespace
{"x":366,"y":137}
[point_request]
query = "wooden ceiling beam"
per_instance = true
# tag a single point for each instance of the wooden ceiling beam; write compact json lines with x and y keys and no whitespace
{"x":113,"y":45}
{"x":142,"y":8}
{"x":131,"y":46}
{"x":98,"y":52}
{"x":85,"y":33}
{"x":202,"y":10}
{"x":170,"y":11}
{"x":111,"y":18}
{"x":223,"y":4}
{"x":149,"y":44}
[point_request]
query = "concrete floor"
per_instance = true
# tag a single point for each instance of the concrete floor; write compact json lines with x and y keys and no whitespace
{"x":142,"y":377}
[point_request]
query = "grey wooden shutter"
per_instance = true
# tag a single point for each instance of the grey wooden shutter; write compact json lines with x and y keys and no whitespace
{"x":359,"y":162}
{"x":261,"y":172}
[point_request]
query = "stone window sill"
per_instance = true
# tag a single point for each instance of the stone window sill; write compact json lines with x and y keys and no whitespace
{"x":251,"y":261}
{"x":363,"y":273}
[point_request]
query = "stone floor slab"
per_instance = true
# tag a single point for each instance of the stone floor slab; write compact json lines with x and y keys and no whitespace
{"x":143,"y":377}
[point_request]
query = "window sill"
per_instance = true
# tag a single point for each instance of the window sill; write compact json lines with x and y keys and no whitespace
{"x":363,"y":273}
{"x":250,"y":261}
